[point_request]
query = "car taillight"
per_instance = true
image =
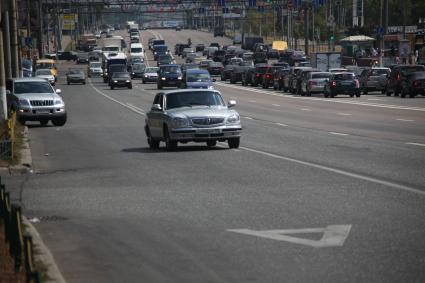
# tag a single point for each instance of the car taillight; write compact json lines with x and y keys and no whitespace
{"x":368,"y":78}
{"x":333,"y":84}
{"x":398,"y":77}
{"x":257,"y":75}
{"x":357,"y":83}
{"x":416,"y":83}
{"x":268,"y":76}
{"x":312,"y":83}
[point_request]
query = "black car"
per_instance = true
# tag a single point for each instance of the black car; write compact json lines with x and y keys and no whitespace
{"x":257,"y":75}
{"x":169,"y":75}
{"x":342,"y":83}
{"x":238,"y":71}
{"x":121,"y":79}
{"x":187,"y":66}
{"x":67,"y":55}
{"x":164,"y":59}
{"x":247,"y":76}
{"x":199,"y":47}
{"x":227,"y":70}
{"x":75,"y":76}
{"x":82,"y":58}
{"x":113,"y":69}
{"x":260,"y":57}
{"x":413,"y":84}
{"x":268,"y":77}
{"x":218,"y":31}
{"x":398,"y":74}
{"x":180,"y":48}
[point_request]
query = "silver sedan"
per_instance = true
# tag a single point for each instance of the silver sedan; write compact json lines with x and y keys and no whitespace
{"x":192,"y":116}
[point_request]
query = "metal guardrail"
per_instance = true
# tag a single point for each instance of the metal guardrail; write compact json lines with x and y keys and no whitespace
{"x":20,"y":245}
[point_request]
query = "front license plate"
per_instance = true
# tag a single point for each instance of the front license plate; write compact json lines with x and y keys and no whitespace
{"x":209,"y":131}
{"x":44,"y":111}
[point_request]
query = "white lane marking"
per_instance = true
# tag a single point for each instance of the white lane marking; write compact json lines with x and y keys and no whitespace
{"x":238,"y":150}
{"x":338,"y":134}
{"x":388,"y":106}
{"x":305,"y":109}
{"x":252,"y":101}
{"x":405,"y":120}
{"x":116,"y":101}
{"x":374,"y":99}
{"x":277,"y":105}
{"x":246,"y":117}
{"x":345,"y":114}
{"x":339,"y":171}
{"x":135,"y":107}
{"x":280,"y":124}
{"x":415,"y":143}
{"x":332,"y":235}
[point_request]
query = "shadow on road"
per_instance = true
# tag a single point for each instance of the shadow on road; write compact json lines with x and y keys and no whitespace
{"x":178,"y":149}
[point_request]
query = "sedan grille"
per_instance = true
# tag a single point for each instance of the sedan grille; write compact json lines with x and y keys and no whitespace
{"x":41,"y":102}
{"x":203,"y":121}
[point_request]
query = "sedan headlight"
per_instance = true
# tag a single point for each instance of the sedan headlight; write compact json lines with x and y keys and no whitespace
{"x":24,"y":102}
{"x":127,"y":81}
{"x":58,"y":101}
{"x":115,"y":82}
{"x":210,"y":87}
{"x":180,"y":122}
{"x":179,"y":78}
{"x":163,"y":78}
{"x":233,"y":119}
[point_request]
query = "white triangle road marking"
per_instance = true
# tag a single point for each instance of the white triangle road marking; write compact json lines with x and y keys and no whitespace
{"x":333,"y":235}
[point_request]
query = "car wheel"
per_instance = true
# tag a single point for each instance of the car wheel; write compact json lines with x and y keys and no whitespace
{"x":159,"y":86}
{"x":403,"y":93}
{"x":364,"y":92}
{"x":59,"y":121}
{"x":112,"y":87}
{"x":351,"y":94}
{"x":383,"y":91}
{"x":233,"y":142}
{"x":68,"y":83}
{"x":21,"y":121}
{"x":332,"y":95}
{"x":358,"y":94}
{"x":130,"y":86}
{"x":170,"y":144}
{"x":153,"y":144}
{"x":143,"y":82}
{"x":44,"y":122}
{"x":211,"y":143}
{"x":84,"y":82}
{"x":412,"y":95}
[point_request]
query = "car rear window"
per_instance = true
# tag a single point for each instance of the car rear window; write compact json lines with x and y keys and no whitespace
{"x":412,"y":69}
{"x":32,"y":87}
{"x":378,"y":72}
{"x":320,"y":76}
{"x":342,"y":77}
{"x":262,"y":70}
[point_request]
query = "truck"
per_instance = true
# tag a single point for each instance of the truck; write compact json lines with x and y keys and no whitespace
{"x":248,"y":42}
{"x":87,"y":42}
{"x":112,"y":44}
{"x":325,"y":60}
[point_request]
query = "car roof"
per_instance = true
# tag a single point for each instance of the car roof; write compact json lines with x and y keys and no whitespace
{"x":189,"y":90}
{"x":32,"y":79}
{"x":197,"y":71}
{"x":170,"y":65}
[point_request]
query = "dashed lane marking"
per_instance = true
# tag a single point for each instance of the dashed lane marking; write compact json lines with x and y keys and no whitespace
{"x":338,"y":134}
{"x":405,"y":120}
{"x":280,"y":124}
{"x":277,"y":105}
{"x":248,"y":118}
{"x":345,"y":114}
{"x":415,"y":143}
{"x":339,"y":171}
{"x":305,"y":109}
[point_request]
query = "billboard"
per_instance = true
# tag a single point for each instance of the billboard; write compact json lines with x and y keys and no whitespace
{"x":68,"y":21}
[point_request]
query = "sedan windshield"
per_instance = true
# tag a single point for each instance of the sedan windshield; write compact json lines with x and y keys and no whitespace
{"x":75,"y":71}
{"x":171,"y":69}
{"x":189,"y":99}
{"x":121,"y":75}
{"x":151,"y":70}
{"x":43,"y":73}
{"x":342,"y":77}
{"x":32,"y":87}
{"x":198,"y":78}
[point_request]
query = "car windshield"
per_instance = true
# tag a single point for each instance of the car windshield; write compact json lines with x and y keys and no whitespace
{"x":216,"y":64}
{"x":189,"y":99}
{"x":95,"y":65}
{"x":32,"y":87}
{"x":43,"y":72}
{"x":320,"y":76}
{"x":151,"y":70}
{"x":75,"y":71}
{"x":121,"y":75}
{"x":44,"y":66}
{"x":136,"y":60}
{"x":164,"y":57}
{"x":136,"y":50}
{"x":342,"y":77}
{"x":26,"y":64}
{"x":171,"y":69}
{"x":200,"y":77}
{"x":139,"y":67}
{"x":160,"y":48}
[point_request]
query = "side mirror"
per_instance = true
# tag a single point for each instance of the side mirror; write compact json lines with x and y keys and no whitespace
{"x":156,"y":107}
{"x":231,"y":103}
{"x":58,"y":91}
{"x":214,"y":80}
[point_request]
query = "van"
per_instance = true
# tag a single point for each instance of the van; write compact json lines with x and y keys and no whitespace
{"x":210,"y":51}
{"x":47,"y":64}
{"x":136,"y":50}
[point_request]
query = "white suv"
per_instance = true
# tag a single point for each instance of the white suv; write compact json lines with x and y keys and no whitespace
{"x":34,"y":99}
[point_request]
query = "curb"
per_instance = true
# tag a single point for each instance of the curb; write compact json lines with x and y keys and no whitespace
{"x":42,"y":254}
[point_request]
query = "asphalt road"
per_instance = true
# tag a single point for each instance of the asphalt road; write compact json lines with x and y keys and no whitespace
{"x":112,"y":210}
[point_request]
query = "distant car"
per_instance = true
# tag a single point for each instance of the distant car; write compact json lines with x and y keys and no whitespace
{"x":178,"y":28}
{"x":342,"y":83}
{"x":68,"y":55}
{"x":34,"y":99}
{"x":278,"y":80}
{"x":197,"y":78}
{"x":237,"y":74}
{"x":150,"y":75}
{"x":75,"y":76}
{"x":45,"y":74}
{"x":215,"y":68}
{"x":218,"y":31}
{"x":94,"y":69}
{"x":268,"y":77}
{"x":257,"y":75}
{"x":314,"y":82}
{"x":186,"y":51}
{"x":188,"y":66}
{"x":121,"y":79}
{"x":199,"y":47}
{"x":169,"y":75}
{"x":374,"y":79}
{"x":137,"y":70}
{"x":192,"y":116}
{"x":398,"y":74}
{"x":82,"y":58}
{"x":27,"y":68}
{"x":164,"y":60}
{"x":413,"y":84}
{"x":203,"y":64}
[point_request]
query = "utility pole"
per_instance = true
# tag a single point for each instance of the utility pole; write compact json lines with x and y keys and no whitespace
{"x":306,"y":27}
{"x":6,"y":44}
{"x":40,"y":30}
{"x":14,"y":40}
{"x":2,"y":74}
